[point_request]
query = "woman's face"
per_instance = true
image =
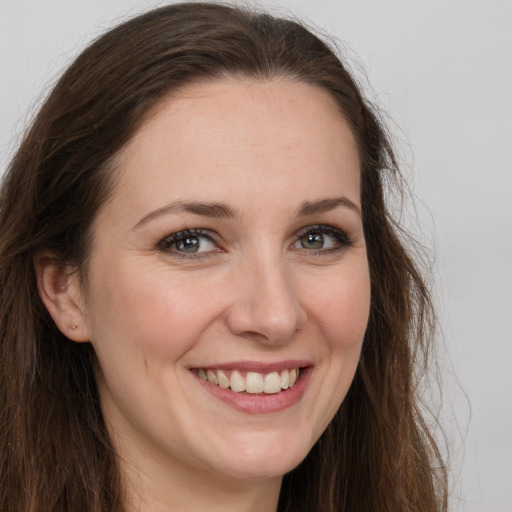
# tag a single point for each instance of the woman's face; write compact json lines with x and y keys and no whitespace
{"x":230,"y":255}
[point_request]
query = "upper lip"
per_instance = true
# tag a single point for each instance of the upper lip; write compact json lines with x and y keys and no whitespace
{"x":256,"y":366}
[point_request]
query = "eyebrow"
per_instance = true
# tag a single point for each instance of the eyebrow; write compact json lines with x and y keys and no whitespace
{"x":224,"y":211}
{"x":325,"y":205}
{"x":213,"y":210}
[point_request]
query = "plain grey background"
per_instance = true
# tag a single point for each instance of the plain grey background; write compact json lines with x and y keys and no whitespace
{"x":442,"y":69}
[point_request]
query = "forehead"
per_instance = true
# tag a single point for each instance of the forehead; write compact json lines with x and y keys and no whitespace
{"x":232,"y":137}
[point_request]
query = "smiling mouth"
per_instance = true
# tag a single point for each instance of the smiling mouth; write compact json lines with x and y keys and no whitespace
{"x":250,"y":382}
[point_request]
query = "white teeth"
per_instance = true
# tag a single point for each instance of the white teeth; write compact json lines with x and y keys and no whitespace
{"x":272,"y":383}
{"x":237,"y":382}
{"x":212,"y":377}
{"x":285,"y":379}
{"x":253,"y":382}
{"x":223,"y":380}
{"x":293,"y":376}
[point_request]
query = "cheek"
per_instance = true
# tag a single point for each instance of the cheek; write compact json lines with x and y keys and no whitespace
{"x":152,"y":311}
{"x":342,"y":308}
{"x":340,"y":311}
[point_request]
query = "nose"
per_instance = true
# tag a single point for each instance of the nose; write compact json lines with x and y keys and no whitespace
{"x":266,"y":306}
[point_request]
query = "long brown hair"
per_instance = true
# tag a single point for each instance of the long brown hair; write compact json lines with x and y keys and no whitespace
{"x":55,"y":453}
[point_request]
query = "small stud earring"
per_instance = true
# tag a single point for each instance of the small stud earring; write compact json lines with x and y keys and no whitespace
{"x":73,"y":327}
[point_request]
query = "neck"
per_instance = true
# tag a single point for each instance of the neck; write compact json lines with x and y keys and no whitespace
{"x":160,"y":480}
{"x":189,"y":491}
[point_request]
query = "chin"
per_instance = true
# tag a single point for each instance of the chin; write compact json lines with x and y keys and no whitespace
{"x":264,"y":456}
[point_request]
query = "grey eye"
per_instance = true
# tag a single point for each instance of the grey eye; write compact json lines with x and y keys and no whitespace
{"x":320,"y":239}
{"x":312,"y":241}
{"x":188,"y":243}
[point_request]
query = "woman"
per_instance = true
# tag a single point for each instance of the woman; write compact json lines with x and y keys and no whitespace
{"x":204,"y":300}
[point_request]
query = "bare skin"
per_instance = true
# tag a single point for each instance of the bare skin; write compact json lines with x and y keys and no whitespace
{"x":233,"y":241}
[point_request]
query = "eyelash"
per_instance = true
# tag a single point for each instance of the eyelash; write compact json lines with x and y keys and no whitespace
{"x":342,"y":241}
{"x":167,"y":243}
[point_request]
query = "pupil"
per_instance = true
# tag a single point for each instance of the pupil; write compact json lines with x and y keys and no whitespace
{"x":188,"y":245}
{"x":313,"y":241}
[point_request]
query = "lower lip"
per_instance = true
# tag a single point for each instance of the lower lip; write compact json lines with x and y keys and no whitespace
{"x":260,"y":403}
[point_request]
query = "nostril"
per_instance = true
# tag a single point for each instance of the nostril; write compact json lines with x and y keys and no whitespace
{"x":267,"y":308}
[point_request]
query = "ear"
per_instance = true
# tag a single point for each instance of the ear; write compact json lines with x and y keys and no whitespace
{"x":60,"y":290}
